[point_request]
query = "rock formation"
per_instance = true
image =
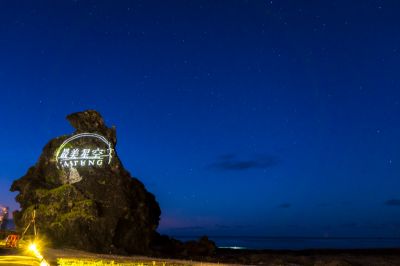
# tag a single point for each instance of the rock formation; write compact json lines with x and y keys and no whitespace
{"x":94,"y":205}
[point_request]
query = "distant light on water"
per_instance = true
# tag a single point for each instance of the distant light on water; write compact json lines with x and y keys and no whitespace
{"x":234,"y":247}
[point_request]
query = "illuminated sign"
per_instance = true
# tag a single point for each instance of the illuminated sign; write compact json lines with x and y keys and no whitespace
{"x":84,"y":150}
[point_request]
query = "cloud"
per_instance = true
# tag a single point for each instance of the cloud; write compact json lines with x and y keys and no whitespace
{"x":188,"y":228}
{"x":285,"y":205}
{"x":393,"y":202}
{"x":228,"y":156}
{"x":228,"y":162}
{"x":222,"y":226}
{"x":225,"y":227}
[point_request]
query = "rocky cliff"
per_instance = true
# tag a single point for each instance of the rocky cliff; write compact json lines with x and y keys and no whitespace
{"x":83,"y":196}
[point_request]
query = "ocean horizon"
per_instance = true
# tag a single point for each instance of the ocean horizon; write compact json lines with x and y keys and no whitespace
{"x":299,"y":243}
{"x":288,"y":243}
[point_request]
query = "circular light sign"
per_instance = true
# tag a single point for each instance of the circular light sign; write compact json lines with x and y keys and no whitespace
{"x":84,"y":150}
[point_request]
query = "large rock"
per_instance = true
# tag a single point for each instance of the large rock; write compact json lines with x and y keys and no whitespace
{"x":163,"y":245}
{"x":87,"y":205}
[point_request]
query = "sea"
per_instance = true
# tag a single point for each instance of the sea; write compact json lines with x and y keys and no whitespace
{"x":292,"y":243}
{"x":298,"y":243}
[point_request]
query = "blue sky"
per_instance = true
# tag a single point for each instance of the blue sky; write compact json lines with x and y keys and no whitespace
{"x":242,"y":117}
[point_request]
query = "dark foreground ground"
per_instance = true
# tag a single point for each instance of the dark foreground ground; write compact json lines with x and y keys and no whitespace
{"x":375,"y":257}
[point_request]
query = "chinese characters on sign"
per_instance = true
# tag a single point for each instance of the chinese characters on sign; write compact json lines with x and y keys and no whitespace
{"x":82,"y":157}
{"x":75,"y":152}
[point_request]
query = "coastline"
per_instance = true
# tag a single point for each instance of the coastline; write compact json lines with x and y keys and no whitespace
{"x":297,"y":242}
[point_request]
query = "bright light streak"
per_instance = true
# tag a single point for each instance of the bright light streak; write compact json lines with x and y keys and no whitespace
{"x":44,"y":263}
{"x":34,"y":249}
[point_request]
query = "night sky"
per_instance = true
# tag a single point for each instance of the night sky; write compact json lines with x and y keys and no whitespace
{"x":273,"y":118}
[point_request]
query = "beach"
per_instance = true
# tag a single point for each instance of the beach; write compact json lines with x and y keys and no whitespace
{"x":373,"y":257}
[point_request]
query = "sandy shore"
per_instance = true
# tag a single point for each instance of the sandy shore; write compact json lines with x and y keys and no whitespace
{"x":384,"y":257}
{"x":52,"y":255}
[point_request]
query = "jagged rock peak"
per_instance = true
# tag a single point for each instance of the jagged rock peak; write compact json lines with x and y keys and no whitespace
{"x":91,"y":121}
